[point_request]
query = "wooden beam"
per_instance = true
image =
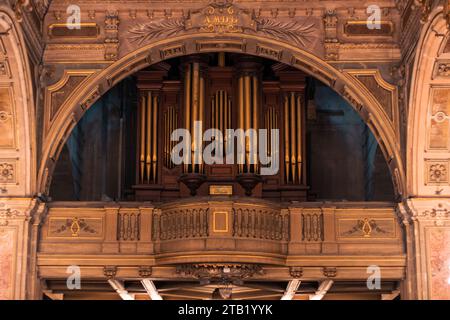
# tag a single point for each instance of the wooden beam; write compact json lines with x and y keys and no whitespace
{"x":291,"y":289}
{"x":120,"y":289}
{"x":390,"y":296}
{"x":322,"y":290}
{"x":150,"y":287}
{"x":54,"y":296}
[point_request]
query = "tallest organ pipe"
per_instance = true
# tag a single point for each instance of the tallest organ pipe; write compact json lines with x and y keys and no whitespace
{"x":194,"y":97}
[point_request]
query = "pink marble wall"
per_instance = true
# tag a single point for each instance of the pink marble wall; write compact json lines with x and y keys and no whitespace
{"x":6,"y":263}
{"x":439,"y":263}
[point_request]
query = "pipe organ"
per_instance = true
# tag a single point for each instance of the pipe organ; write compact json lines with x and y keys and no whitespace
{"x":194,"y":113}
{"x":148,"y":155}
{"x":234,"y":92}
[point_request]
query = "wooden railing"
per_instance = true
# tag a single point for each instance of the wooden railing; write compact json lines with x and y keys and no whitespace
{"x":260,"y":224}
{"x":216,"y":225}
{"x":180,"y":224}
{"x":128,"y":226}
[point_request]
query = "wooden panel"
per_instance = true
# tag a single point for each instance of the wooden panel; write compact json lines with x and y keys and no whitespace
{"x":7,"y":262}
{"x":7,"y":118}
{"x":366,"y":228}
{"x":220,"y":223}
{"x":75,"y":227}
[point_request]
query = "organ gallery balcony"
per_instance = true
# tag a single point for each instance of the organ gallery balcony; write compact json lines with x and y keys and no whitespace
{"x":221,"y":229}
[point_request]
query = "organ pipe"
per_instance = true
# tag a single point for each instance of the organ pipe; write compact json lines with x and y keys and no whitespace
{"x":249,"y":100}
{"x":148,"y":137}
{"x":194,"y":93}
{"x":170,"y":124}
{"x":293,"y":137}
{"x":221,"y":113}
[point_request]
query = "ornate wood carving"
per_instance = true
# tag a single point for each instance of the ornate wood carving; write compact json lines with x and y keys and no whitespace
{"x":221,"y":272}
{"x":260,"y":224}
{"x":312,"y":226}
{"x":145,"y":271}
{"x":129,"y":226}
{"x":331,"y":41}
{"x":111,"y":35}
{"x":7,"y":171}
{"x":224,"y":18}
{"x":296,"y":272}
{"x":75,"y":227}
{"x":436,"y":172}
{"x":110,"y":272}
{"x":329,"y":272}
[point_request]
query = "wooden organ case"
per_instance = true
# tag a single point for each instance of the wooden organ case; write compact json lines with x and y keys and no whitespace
{"x":222,"y":92}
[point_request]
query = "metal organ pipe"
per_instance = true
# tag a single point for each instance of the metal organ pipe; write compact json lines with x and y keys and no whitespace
{"x":293,"y":137}
{"x":148,"y":138}
{"x":194,"y":93}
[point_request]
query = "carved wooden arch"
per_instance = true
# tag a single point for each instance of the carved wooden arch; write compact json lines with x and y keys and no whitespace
{"x":343,"y":82}
{"x":431,"y":72}
{"x":17,"y":122}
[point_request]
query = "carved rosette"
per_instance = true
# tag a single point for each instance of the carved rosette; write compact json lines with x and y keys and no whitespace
{"x":6,"y":172}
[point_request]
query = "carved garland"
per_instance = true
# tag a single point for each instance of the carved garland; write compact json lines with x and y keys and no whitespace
{"x":224,"y":18}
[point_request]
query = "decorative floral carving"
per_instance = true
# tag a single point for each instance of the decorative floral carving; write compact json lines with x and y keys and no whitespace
{"x":293,"y":31}
{"x":444,"y":69}
{"x":6,"y":214}
{"x":224,"y":17}
{"x":6,"y":171}
{"x":366,"y":226}
{"x":437,"y":173}
{"x":75,"y":225}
